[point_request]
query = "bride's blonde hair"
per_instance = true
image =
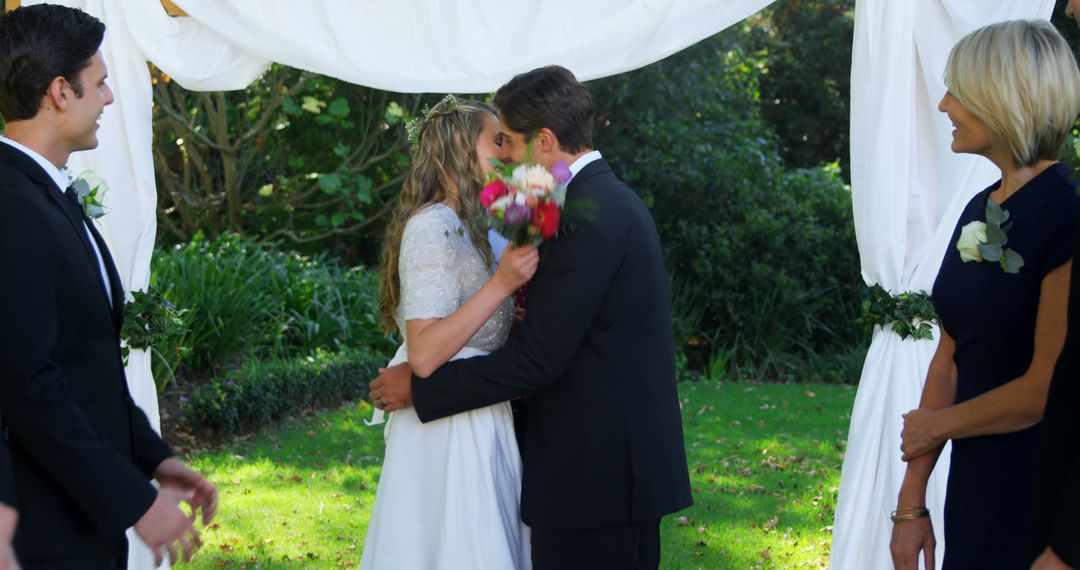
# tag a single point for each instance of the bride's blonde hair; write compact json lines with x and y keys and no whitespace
{"x":444,"y":162}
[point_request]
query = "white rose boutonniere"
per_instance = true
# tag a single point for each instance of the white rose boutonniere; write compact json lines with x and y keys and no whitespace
{"x":971,"y":236}
{"x":985,"y":241}
{"x":90,"y":189}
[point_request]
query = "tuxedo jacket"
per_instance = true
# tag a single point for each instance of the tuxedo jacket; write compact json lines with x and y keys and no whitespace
{"x":596,"y":352}
{"x":1055,"y":518}
{"x":81,"y":451}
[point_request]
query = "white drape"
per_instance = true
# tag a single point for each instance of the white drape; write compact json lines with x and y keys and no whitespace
{"x":908,"y":190}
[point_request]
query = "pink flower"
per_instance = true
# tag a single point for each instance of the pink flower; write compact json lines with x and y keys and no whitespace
{"x":546,"y":219}
{"x":492,"y":191}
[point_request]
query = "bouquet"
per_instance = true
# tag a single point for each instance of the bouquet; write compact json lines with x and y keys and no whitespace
{"x":523,"y":201}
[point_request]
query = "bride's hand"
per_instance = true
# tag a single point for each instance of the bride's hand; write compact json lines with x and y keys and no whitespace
{"x":516,"y":267}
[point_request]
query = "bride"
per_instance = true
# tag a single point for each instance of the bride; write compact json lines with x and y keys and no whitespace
{"x":449,"y":490}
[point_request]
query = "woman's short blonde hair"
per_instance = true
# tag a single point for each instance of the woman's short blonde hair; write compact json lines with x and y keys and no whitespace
{"x":1020,"y":79}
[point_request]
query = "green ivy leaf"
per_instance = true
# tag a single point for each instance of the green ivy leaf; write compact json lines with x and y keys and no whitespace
{"x":363,"y":189}
{"x":337,"y":220}
{"x":340,"y":150}
{"x":322,"y":221}
{"x":297,"y":163}
{"x":339,"y":107}
{"x":330,"y":184}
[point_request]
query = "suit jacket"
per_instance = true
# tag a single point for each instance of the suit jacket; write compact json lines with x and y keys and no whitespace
{"x":1055,"y":518}
{"x":82,"y":452}
{"x":605,"y":441}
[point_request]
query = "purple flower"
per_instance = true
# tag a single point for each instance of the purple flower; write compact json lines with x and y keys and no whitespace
{"x":229,"y":383}
{"x":517,"y":214}
{"x":560,"y":171}
{"x":184,"y":399}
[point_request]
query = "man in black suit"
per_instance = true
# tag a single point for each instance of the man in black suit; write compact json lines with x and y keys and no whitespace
{"x":82,"y":453}
{"x":605,"y":458}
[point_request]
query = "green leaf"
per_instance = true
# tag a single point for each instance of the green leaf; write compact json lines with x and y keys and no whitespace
{"x":330,"y":184}
{"x":1011,"y":261}
{"x":363,"y":189}
{"x":990,"y":251}
{"x":322,"y":221}
{"x":297,"y":163}
{"x":339,"y":107}
{"x":995,"y":235}
{"x":394,"y":113}
{"x":341,"y":150}
{"x":288,"y":104}
{"x":358,"y":216}
{"x":337,"y":220}
{"x":312,"y":105}
{"x":994,"y":214}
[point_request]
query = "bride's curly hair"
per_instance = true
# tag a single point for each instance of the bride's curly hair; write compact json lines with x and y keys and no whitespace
{"x":444,"y":161}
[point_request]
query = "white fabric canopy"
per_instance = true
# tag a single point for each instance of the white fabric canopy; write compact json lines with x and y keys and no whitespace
{"x":908,"y":190}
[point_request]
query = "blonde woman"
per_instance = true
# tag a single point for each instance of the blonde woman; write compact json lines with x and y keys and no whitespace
{"x":1013,"y":95}
{"x":449,"y":490}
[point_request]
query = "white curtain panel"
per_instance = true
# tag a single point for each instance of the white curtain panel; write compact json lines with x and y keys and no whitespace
{"x":908,"y":190}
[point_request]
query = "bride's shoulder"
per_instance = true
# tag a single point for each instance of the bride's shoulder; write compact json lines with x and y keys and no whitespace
{"x":432,"y":220}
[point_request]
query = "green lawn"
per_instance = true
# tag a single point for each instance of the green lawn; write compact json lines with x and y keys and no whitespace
{"x":764,"y":460}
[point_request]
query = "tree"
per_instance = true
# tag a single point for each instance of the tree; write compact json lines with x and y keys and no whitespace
{"x":298,"y":157}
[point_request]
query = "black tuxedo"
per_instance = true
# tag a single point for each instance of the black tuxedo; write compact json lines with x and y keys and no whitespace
{"x":605,"y":441}
{"x":1056,"y":511}
{"x":82,"y":452}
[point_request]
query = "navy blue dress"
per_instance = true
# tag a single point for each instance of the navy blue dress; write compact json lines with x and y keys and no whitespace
{"x":991,"y":316}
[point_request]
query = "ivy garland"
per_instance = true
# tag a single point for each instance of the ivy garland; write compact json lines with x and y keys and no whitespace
{"x":907,"y":314}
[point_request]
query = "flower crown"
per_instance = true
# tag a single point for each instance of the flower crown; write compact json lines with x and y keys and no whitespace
{"x":414,"y":127}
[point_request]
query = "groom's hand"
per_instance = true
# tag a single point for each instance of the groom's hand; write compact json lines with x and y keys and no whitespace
{"x":173,"y":473}
{"x":392,"y":390}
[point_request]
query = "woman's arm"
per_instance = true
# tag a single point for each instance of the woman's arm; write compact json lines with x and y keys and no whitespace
{"x":912,"y":536}
{"x":432,"y":342}
{"x":1013,"y":406}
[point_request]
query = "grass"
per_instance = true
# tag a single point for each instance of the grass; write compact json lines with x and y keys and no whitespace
{"x":764,"y":462}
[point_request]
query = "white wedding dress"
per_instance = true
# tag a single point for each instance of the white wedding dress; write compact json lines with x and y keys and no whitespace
{"x":448,"y":496}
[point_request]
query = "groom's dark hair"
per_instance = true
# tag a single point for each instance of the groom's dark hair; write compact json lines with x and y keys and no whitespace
{"x":38,"y":44}
{"x":548,"y":97}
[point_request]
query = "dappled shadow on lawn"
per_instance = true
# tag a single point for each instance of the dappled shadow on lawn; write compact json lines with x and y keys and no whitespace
{"x":298,"y":496}
{"x":765,"y":464}
{"x":764,"y":461}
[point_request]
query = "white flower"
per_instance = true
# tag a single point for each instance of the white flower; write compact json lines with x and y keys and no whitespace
{"x":538,"y":177}
{"x":501,"y":203}
{"x":971,"y":236}
{"x":90,"y":189}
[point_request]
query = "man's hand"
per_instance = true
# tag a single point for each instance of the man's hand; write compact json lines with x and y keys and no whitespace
{"x":392,"y":390}
{"x":173,"y":473}
{"x":9,"y":517}
{"x":165,"y":525}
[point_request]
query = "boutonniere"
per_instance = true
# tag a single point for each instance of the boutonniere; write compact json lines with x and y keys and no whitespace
{"x":985,"y":241}
{"x":90,"y":190}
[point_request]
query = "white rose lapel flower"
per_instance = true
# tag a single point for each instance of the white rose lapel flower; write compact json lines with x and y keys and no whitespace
{"x":90,"y":190}
{"x":985,"y":241}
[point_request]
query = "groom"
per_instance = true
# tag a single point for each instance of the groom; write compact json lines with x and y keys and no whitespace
{"x":605,"y":457}
{"x":82,"y":453}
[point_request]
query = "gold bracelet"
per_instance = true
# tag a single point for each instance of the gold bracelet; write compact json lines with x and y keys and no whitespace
{"x":909,"y":516}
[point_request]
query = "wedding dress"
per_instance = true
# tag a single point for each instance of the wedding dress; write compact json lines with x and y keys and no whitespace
{"x":449,"y":491}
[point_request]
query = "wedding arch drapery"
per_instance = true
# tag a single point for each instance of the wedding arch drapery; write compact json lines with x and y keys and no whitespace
{"x":908,"y":190}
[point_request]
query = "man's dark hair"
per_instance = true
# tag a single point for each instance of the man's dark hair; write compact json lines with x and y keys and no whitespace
{"x":38,"y":44}
{"x":548,"y":97}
